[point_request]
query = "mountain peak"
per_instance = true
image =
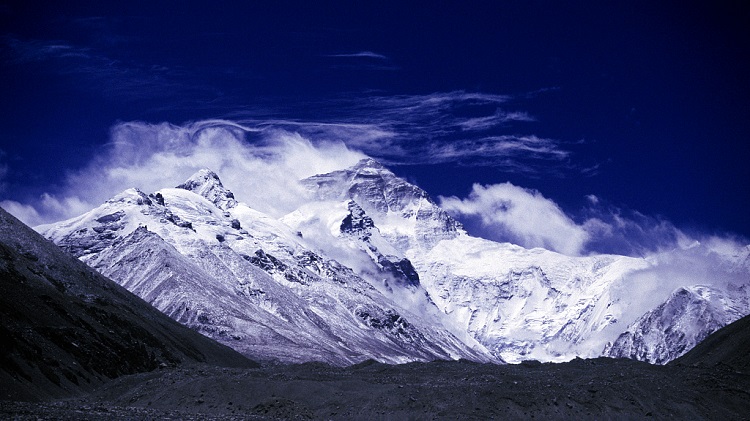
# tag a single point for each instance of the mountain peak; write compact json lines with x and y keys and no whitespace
{"x":382,"y":194}
{"x":207,"y":184}
{"x":369,"y":163}
{"x":369,"y":166}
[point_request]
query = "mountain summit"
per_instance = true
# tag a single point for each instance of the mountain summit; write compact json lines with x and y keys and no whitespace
{"x":207,"y":184}
{"x":405,"y":214}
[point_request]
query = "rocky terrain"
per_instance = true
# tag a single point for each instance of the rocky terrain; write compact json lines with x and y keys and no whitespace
{"x":257,"y":285}
{"x":709,"y":387}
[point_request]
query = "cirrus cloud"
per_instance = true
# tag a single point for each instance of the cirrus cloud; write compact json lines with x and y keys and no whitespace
{"x":367,"y":54}
{"x":466,"y":128}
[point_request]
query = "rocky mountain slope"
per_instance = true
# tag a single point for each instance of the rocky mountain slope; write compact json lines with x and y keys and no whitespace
{"x":727,"y":347}
{"x":674,"y":327}
{"x":66,"y":329}
{"x":371,"y":267}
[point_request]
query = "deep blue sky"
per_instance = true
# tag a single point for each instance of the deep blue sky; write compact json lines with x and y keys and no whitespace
{"x":647,"y":103}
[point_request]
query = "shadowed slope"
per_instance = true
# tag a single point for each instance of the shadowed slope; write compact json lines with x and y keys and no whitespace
{"x":729,"y":345}
{"x":66,"y":329}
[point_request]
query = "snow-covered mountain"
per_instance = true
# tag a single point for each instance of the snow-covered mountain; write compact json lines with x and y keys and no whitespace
{"x":687,"y":317}
{"x":405,"y":214}
{"x":518,"y":303}
{"x":371,"y":267}
{"x":248,"y":280}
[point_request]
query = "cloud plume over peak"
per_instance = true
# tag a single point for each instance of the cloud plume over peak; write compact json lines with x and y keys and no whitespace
{"x":261,"y":165}
{"x":466,"y":128}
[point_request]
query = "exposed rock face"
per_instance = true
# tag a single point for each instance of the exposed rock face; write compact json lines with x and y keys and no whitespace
{"x":401,"y":270}
{"x":357,"y":223}
{"x":358,"y":228}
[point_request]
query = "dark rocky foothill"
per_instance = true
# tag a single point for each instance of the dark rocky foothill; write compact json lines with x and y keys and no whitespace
{"x":581,"y":389}
{"x":66,"y":329}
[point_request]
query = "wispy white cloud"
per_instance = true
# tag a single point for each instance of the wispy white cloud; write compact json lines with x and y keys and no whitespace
{"x":26,"y":213}
{"x":468,"y":128}
{"x":623,"y":231}
{"x":495,"y":149}
{"x":508,"y":213}
{"x":521,"y":216}
{"x":47,"y":208}
{"x":500,"y":117}
{"x":264,"y":158}
{"x":96,"y":70}
{"x":263,"y":162}
{"x":40,"y":50}
{"x":261,"y":165}
{"x":367,"y":54}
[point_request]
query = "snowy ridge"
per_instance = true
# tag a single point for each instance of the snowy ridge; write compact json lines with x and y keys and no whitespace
{"x":687,"y":317}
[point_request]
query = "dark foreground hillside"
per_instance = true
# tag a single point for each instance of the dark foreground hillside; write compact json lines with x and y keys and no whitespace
{"x":582,"y":389}
{"x":728,"y":346}
{"x":66,"y":329}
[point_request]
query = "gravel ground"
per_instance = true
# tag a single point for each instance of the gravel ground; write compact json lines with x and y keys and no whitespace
{"x":581,"y":389}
